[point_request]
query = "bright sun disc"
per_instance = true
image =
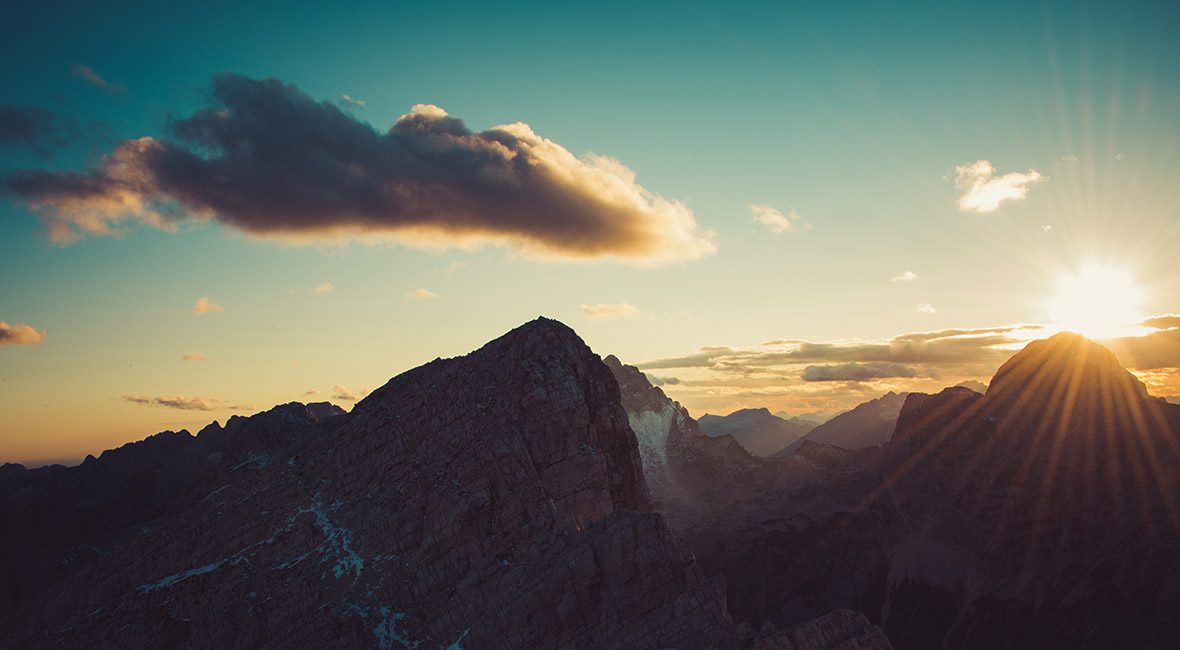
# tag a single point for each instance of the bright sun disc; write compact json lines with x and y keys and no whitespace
{"x":1097,"y":302}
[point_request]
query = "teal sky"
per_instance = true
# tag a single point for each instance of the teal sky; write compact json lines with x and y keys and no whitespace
{"x":853,"y":115}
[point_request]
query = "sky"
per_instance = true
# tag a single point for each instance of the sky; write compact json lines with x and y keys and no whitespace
{"x":208,"y":210}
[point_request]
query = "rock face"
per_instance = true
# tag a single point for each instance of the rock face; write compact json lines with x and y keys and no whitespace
{"x":693,"y":476}
{"x":495,"y":500}
{"x":1043,"y":514}
{"x":756,"y":430}
{"x":490,"y":501}
{"x":868,"y":425}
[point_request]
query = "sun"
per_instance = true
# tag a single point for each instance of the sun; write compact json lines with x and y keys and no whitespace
{"x":1098,"y":302}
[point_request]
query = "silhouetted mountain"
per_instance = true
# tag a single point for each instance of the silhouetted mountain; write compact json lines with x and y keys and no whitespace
{"x":868,"y":425}
{"x":756,"y":430}
{"x":1043,"y":514}
{"x":493,"y":500}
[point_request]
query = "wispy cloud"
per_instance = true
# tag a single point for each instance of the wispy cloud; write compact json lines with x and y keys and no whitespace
{"x":206,"y":306}
{"x":853,"y":371}
{"x":18,"y":334}
{"x":606,"y":311}
{"x":427,"y":181}
{"x":657,"y":380}
{"x":908,"y":276}
{"x":349,"y":100}
{"x":925,"y":308}
{"x":343,"y":393}
{"x":90,"y":76}
{"x":311,"y":392}
{"x":773,"y":218}
{"x":323,"y":287}
{"x":982,"y":191}
{"x":187,"y":403}
{"x":193,"y":356}
{"x":35,"y":129}
{"x":422,"y":294}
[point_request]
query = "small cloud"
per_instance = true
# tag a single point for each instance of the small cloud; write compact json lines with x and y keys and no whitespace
{"x":606,"y":311}
{"x":662,"y":381}
{"x":1120,"y":156}
{"x":206,"y":306}
{"x":774,"y":220}
{"x":983,"y":191}
{"x":343,"y":393}
{"x":973,"y":384}
{"x":193,"y":356}
{"x":349,"y":100}
{"x":311,"y":392}
{"x":18,"y":334}
{"x":323,"y":288}
{"x":187,"y":403}
{"x":1069,"y":158}
{"x":1046,"y":228}
{"x":421,"y":294}
{"x":926,"y":308}
{"x":908,"y":276}
{"x":88,"y":74}
{"x":857,"y":371}
{"x":1165,"y":322}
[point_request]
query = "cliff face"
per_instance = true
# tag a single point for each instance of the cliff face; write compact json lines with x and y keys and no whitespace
{"x":489,"y":501}
{"x":693,"y":477}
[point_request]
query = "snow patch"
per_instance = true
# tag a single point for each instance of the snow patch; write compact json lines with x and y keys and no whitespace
{"x":651,"y":430}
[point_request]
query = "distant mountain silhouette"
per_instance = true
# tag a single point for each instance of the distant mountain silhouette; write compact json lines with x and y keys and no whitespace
{"x":868,"y":425}
{"x":1043,"y":514}
{"x":756,"y":430}
{"x":493,"y":500}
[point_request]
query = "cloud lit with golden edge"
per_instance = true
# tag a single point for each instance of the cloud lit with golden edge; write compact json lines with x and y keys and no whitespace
{"x":798,"y":375}
{"x":187,"y":403}
{"x":269,"y":161}
{"x":609,"y":311}
{"x":193,"y":356}
{"x":983,"y":191}
{"x":205,"y":306}
{"x":343,"y":393}
{"x":774,"y":220}
{"x":422,"y":294}
{"x":20,"y":334}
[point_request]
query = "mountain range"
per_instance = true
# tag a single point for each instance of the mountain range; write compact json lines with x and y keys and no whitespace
{"x":532,"y":494}
{"x":868,"y":425}
{"x":756,"y":429}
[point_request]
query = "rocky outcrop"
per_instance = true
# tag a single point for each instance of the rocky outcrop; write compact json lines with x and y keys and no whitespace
{"x":489,"y":501}
{"x":756,"y":430}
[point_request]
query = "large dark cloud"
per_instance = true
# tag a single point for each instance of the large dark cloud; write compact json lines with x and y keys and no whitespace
{"x":857,"y":372}
{"x":269,"y":160}
{"x":35,"y":129}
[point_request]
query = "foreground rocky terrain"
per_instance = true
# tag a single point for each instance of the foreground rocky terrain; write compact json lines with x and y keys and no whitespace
{"x":1043,"y":514}
{"x":496,"y":500}
{"x":531,"y":494}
